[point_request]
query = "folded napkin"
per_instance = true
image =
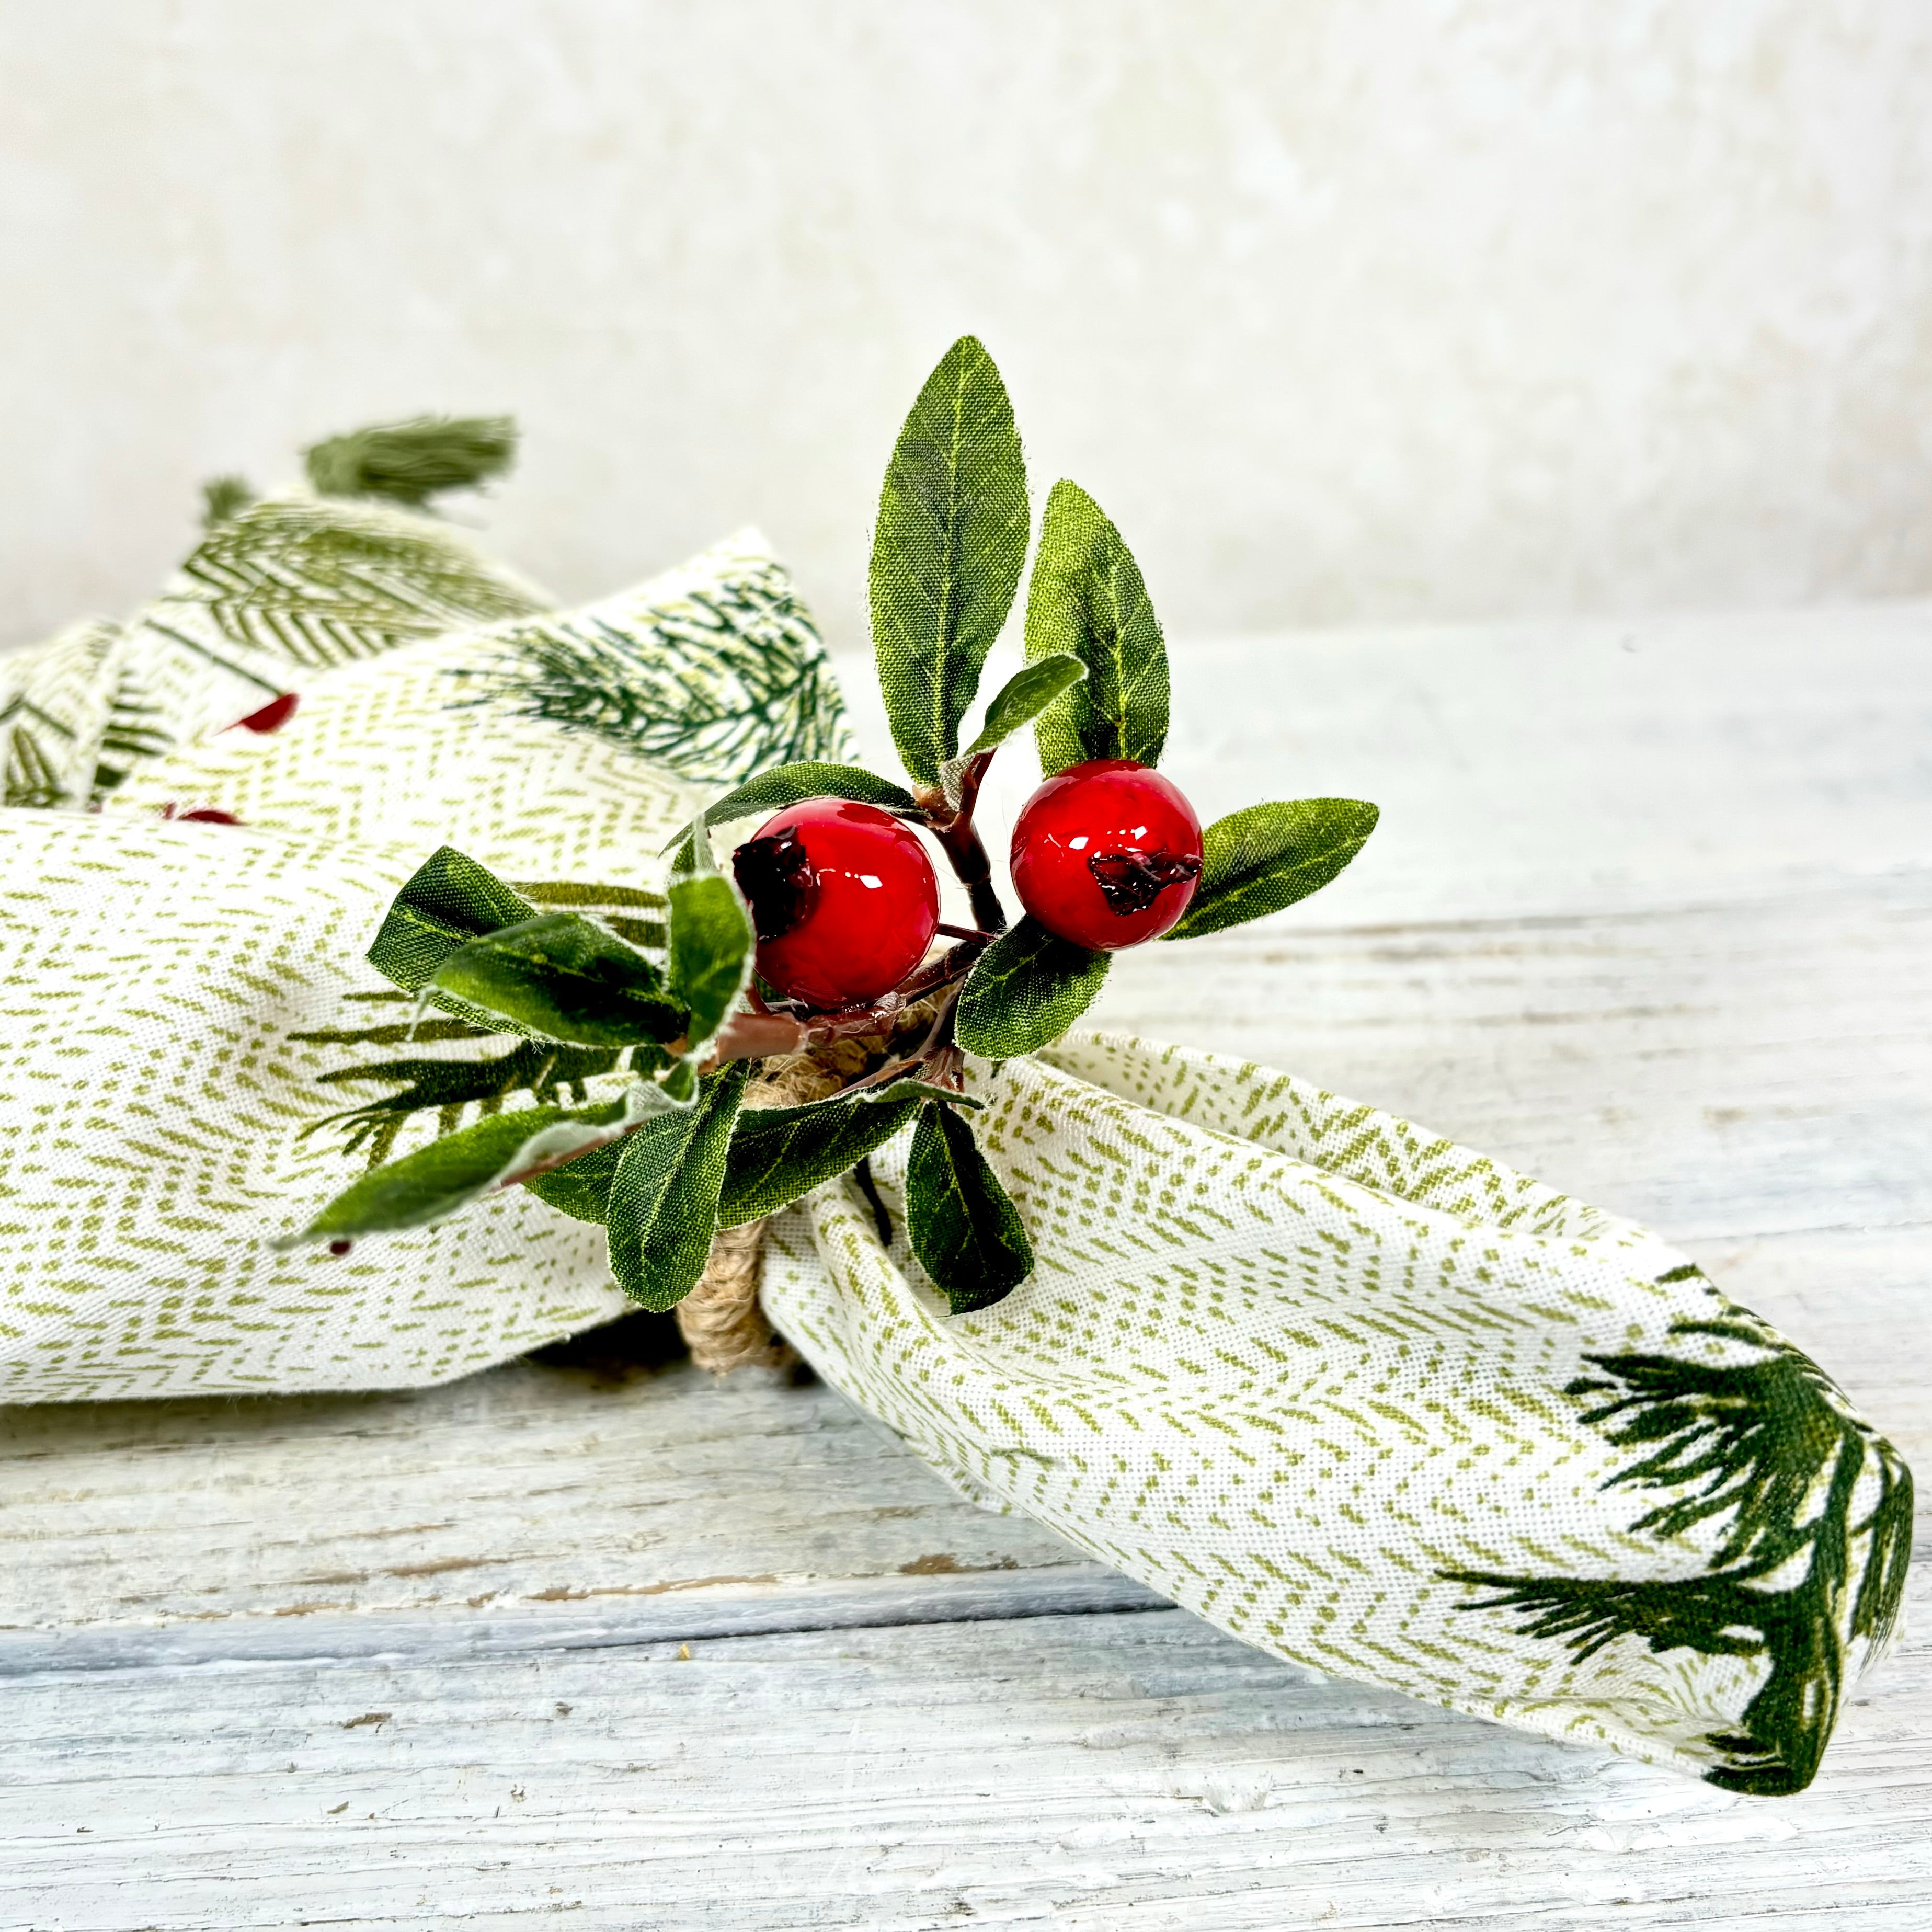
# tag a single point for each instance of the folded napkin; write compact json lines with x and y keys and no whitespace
{"x":294,"y":585}
{"x":184,"y":990}
{"x":1376,"y":1403}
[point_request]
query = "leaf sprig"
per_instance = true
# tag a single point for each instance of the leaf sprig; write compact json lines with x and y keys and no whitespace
{"x":671,"y":1009}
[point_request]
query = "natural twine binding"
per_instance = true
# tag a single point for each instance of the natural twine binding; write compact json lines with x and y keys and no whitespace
{"x":721,"y":1319}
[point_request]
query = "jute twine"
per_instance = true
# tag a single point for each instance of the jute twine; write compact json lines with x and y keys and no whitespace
{"x":721,"y":1318}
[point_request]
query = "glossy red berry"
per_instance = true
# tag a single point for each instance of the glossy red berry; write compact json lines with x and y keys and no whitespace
{"x":843,"y":898}
{"x":1107,"y":854}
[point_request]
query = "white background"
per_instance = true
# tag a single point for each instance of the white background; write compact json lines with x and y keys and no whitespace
{"x":1348,"y":309}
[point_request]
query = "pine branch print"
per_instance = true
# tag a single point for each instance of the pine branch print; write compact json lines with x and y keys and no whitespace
{"x":723,"y":682}
{"x":1764,"y":1446}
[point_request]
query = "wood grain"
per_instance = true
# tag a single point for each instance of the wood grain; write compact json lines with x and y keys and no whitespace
{"x":1090,"y":1773}
{"x":1648,"y":917}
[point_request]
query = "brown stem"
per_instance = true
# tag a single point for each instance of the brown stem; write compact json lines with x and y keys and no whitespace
{"x":960,"y":841}
{"x":752,"y":1036}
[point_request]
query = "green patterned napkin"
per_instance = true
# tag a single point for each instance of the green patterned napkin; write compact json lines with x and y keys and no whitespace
{"x":185,"y":964}
{"x":295,"y":585}
{"x":1376,"y":1403}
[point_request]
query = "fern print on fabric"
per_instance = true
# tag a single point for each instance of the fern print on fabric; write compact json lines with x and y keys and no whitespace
{"x":293,"y":585}
{"x":1814,"y":1515}
{"x":714,"y":673}
{"x":55,"y":707}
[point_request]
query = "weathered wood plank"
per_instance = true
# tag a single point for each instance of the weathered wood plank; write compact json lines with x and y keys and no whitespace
{"x":1096,"y":1773}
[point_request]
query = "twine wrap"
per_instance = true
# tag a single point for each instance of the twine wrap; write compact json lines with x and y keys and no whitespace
{"x":721,"y":1319}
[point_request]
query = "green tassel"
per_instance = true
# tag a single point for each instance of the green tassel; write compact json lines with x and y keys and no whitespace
{"x":224,"y":499}
{"x":410,"y":462}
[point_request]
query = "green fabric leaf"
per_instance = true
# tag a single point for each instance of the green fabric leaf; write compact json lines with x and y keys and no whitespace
{"x":947,"y":552}
{"x":448,"y":902}
{"x":1027,"y":988}
{"x":965,"y":1230}
{"x":581,"y":1188}
{"x":1025,"y":695}
{"x":780,"y":1154}
{"x":792,"y":785}
{"x":663,"y":1208}
{"x":712,"y":943}
{"x":1255,"y":862}
{"x":1087,"y":597}
{"x":917,"y":1090}
{"x":434,"y":1182}
{"x":560,"y":976}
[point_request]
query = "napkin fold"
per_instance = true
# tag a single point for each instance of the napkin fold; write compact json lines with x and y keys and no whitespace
{"x":1378,"y":1404}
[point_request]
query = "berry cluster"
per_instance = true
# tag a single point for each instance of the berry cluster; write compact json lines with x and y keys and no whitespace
{"x":821,"y":938}
{"x":846,"y":902}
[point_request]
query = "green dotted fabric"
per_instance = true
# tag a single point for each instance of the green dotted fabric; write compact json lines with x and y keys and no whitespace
{"x":1336,"y":1385}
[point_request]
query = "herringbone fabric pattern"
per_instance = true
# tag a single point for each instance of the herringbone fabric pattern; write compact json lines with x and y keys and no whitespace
{"x":1304,"y":1368}
{"x":150,"y":977}
{"x":153,"y":1097}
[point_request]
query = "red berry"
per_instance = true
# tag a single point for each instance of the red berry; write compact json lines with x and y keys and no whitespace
{"x":203,"y":815}
{"x":1107,"y":854}
{"x":843,"y":898}
{"x":272,"y":716}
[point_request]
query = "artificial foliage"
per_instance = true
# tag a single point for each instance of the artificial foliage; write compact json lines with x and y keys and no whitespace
{"x":682,"y":1019}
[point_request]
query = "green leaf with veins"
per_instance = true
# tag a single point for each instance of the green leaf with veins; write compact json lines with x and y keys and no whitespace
{"x":434,"y":1181}
{"x":448,"y":902}
{"x":965,"y":1230}
{"x":792,"y":785}
{"x":560,"y":976}
{"x":1027,"y":987}
{"x":1020,"y":700}
{"x":1255,"y":862}
{"x":663,"y":1206}
{"x":947,"y":552}
{"x":780,"y":1154}
{"x":712,"y":943}
{"x":580,"y":1188}
{"x":1088,"y":598}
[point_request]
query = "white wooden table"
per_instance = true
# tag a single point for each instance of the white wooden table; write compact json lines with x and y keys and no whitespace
{"x":1650,"y":915}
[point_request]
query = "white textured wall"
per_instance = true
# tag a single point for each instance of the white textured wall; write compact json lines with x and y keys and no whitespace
{"x":1346,"y":308}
